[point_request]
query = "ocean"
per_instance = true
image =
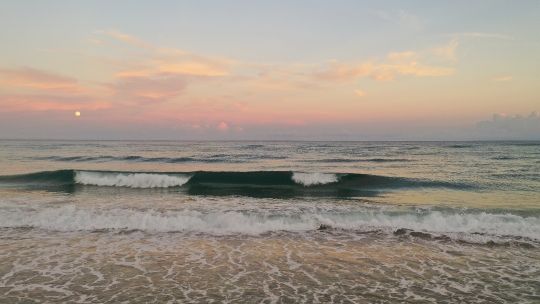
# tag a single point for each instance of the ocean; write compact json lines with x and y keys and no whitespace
{"x":269,"y":222}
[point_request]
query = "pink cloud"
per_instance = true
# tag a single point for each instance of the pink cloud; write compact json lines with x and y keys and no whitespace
{"x":17,"y":103}
{"x":360,"y":93}
{"x":171,"y":61}
{"x":150,"y":86}
{"x":149,"y":89}
{"x":399,"y":63}
{"x":345,"y":72}
{"x":502,"y":79}
{"x":40,"y":80}
{"x":223,"y":126}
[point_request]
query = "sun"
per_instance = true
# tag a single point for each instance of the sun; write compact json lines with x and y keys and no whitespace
{"x":77,"y":113}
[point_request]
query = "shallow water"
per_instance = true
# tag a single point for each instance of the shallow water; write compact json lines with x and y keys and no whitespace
{"x":314,"y":266}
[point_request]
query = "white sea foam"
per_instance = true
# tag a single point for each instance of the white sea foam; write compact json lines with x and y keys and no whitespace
{"x":310,"y":179}
{"x":71,"y":218}
{"x":481,"y":228}
{"x":132,"y":180}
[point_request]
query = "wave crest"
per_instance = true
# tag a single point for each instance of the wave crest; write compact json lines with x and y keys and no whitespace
{"x":132,"y":180}
{"x":310,"y":179}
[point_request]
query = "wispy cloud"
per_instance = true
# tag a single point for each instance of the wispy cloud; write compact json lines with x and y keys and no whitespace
{"x":136,"y":90}
{"x":345,"y":73}
{"x":402,"y":18}
{"x":40,"y":80}
{"x":448,"y":52}
{"x":360,"y":93}
{"x":482,"y":35}
{"x":385,"y":70}
{"x":24,"y":103}
{"x":502,"y":79}
{"x":167,"y":60}
{"x":273,"y":76}
{"x":152,"y":84}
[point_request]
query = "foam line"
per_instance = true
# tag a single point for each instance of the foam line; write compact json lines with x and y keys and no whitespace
{"x":481,"y":227}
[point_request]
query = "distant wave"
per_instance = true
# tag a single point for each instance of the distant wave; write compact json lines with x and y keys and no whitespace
{"x":359,"y":160}
{"x":476,"y":227}
{"x":503,"y":158}
{"x":218,"y":158}
{"x":387,"y":160}
{"x":256,"y":183}
{"x":460,"y":146}
{"x":136,"y":158}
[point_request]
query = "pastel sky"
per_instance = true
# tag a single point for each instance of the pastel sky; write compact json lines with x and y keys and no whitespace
{"x":273,"y":70}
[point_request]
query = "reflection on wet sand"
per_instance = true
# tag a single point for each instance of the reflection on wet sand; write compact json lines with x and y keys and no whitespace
{"x":314,"y":266}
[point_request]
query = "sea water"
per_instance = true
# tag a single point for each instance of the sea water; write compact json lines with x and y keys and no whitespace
{"x":269,"y":222}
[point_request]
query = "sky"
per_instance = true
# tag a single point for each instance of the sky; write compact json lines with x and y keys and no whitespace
{"x":273,"y":70}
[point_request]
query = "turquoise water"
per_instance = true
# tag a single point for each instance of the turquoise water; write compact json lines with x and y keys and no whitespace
{"x":269,"y":221}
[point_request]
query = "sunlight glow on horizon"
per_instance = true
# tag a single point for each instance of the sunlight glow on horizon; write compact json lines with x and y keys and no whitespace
{"x":410,"y":78}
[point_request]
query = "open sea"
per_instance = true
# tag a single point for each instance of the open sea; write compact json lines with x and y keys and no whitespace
{"x":269,"y":222}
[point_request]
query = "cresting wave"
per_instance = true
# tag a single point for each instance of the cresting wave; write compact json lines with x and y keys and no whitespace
{"x":476,"y":228}
{"x":310,"y":179}
{"x":131,"y":180}
{"x":147,"y":180}
{"x":256,"y":183}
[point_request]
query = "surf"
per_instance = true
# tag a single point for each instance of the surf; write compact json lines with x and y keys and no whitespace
{"x":482,"y":227}
{"x":270,"y":184}
{"x":130,"y":180}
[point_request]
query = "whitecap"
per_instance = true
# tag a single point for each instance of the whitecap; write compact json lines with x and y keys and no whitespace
{"x":310,"y":179}
{"x":131,"y":180}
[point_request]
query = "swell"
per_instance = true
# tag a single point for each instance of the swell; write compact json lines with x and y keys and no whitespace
{"x":59,"y":177}
{"x":360,"y":160}
{"x":476,"y":228}
{"x":256,"y":183}
{"x":217,"y":158}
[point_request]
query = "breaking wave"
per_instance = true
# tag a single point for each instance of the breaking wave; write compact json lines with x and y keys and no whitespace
{"x":256,"y":184}
{"x":310,"y":179}
{"x":474,"y":227}
{"x":131,"y":180}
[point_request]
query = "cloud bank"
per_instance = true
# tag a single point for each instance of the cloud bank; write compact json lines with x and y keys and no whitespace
{"x":510,"y":127}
